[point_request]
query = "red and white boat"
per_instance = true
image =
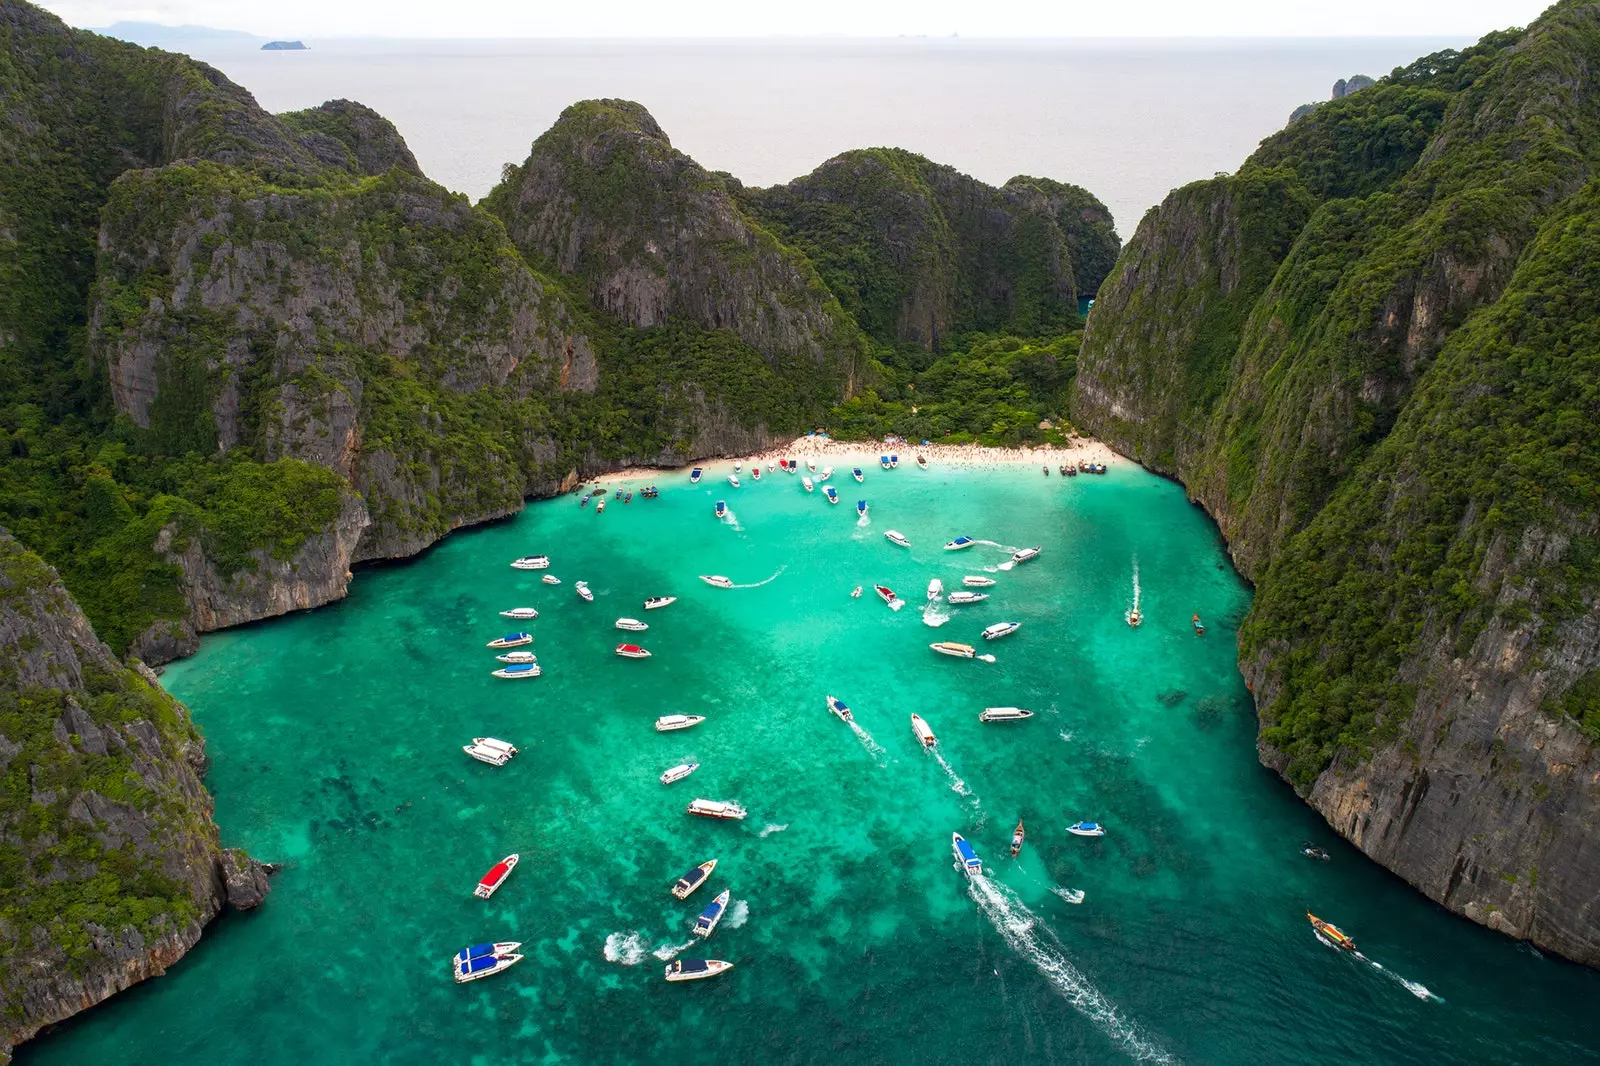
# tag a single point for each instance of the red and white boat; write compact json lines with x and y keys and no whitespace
{"x":632,"y":651}
{"x":885,"y":592}
{"x":496,"y":876}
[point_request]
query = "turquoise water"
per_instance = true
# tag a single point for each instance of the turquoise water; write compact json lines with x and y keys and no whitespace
{"x":336,"y":737}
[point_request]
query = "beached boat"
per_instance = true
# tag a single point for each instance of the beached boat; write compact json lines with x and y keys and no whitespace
{"x":694,"y":476}
{"x":1331,"y":934}
{"x":794,"y":465}
{"x":883,"y":461}
{"x":827,"y":472}
{"x":511,"y":640}
{"x":717,"y":581}
{"x":716,"y":809}
{"x":831,"y":493}
{"x":518,"y":671}
{"x":667,"y":723}
{"x":807,"y":484}
{"x":951,"y":648}
{"x":861,"y":508}
{"x":896,"y":537}
{"x":722,"y":508}
{"x":1134,"y":618}
{"x":959,"y":598}
{"x":856,"y":473}
{"x":894,"y":461}
{"x":490,"y":882}
{"x":885,"y":593}
{"x":1199,"y":626}
{"x":632,"y":651}
{"x":656,"y":602}
{"x":959,"y":543}
{"x":922,"y":461}
{"x":518,"y":657}
{"x":935,"y":590}
{"x":551,"y":579}
{"x":520,"y":613}
{"x":582,"y":589}
{"x":1016,"y":839}
{"x":706,"y":924}
{"x":1003,"y":714}
{"x":684,"y":887}
{"x":1087,"y":829}
{"x":837,"y":706}
{"x":811,"y":465}
{"x":755,"y":473}
{"x":967,"y":860}
{"x":1070,"y":471}
{"x":632,"y":625}
{"x":1046,"y":469}
{"x":977,"y":581}
{"x":1000,"y":629}
{"x":532,"y":562}
{"x":484,"y":960}
{"x":783,"y":464}
{"x":679,"y":772}
{"x":695,"y":969}
{"x":738,"y":467}
{"x":855,"y":593}
{"x":924,"y":731}
{"x":733,"y":479}
{"x":1025,"y":554}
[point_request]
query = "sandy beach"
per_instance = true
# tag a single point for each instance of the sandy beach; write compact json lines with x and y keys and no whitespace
{"x":842,"y":455}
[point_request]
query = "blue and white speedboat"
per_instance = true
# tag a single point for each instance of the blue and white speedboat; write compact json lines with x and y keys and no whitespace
{"x":858,"y":475}
{"x":861,"y":508}
{"x":831,"y":493}
{"x":511,"y":640}
{"x":894,"y":461}
{"x":838,"y":707}
{"x":959,"y":543}
{"x":482,"y":960}
{"x":694,"y":476}
{"x":883,"y":461}
{"x":517,"y":671}
{"x":706,"y":924}
{"x":722,"y":508}
{"x":1087,"y":829}
{"x":966,"y":859}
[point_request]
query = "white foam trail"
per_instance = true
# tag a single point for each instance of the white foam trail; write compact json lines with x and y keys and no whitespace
{"x":738,"y":914}
{"x":667,"y":951}
{"x":1135,"y":582}
{"x":984,"y":658}
{"x":1066,"y":736}
{"x":932,"y":615}
{"x":896,"y":603}
{"x":863,"y":521}
{"x":865,"y":737}
{"x":1071,"y":895}
{"x":957,"y":785}
{"x":1416,"y":988}
{"x":772,"y":827}
{"x":768,"y":581}
{"x":732,"y":520}
{"x":1031,"y":939}
{"x":626,"y":948}
{"x":996,"y":544}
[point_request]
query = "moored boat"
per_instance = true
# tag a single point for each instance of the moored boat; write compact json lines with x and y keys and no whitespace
{"x":722,"y":508}
{"x":717,"y":581}
{"x":633,"y":625}
{"x":755,"y":472}
{"x":959,"y":598}
{"x":883,"y":461}
{"x":924,"y":731}
{"x":531,"y":562}
{"x":827,"y":472}
{"x":694,"y":476}
{"x":807,"y":484}
{"x":1025,"y":554}
{"x":489,"y":750}
{"x":1199,"y":626}
{"x":733,"y":479}
{"x":831,"y":493}
{"x":695,"y":969}
{"x":894,"y":536}
{"x":496,"y":744}
{"x":959,"y":543}
{"x":738,"y":467}
{"x":1331,"y":934}
{"x":1003,"y":714}
{"x":716,"y":809}
{"x":951,"y":648}
{"x":520,"y":613}
{"x":632,"y":651}
{"x":490,"y":882}
{"x":894,"y":461}
{"x":550,"y":579}
{"x":518,"y":671}
{"x":794,"y":465}
{"x":1000,"y":629}
{"x":861,"y":508}
{"x":922,"y":461}
{"x":1016,"y":839}
{"x":655,"y":602}
{"x":518,"y":657}
{"x":1087,"y":829}
{"x":511,"y":640}
{"x":855,"y":593}
{"x":679,"y":772}
{"x":706,"y":924}
{"x":667,"y":723}
{"x":967,"y":860}
{"x":935,"y":590}
{"x":582,"y":589}
{"x":856,"y":473}
{"x":484,"y":960}
{"x":600,"y":506}
{"x":977,"y":581}
{"x":684,"y":887}
{"x":837,"y":706}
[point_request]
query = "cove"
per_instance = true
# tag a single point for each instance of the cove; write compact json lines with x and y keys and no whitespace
{"x":336,"y":738}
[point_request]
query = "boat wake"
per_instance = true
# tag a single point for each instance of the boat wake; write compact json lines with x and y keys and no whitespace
{"x":1066,"y":736}
{"x":1031,"y":939}
{"x":768,"y":581}
{"x":1008,"y":549}
{"x":625,"y":948}
{"x":667,"y":951}
{"x":863,"y":521}
{"x":1416,"y":988}
{"x":732,"y":520}
{"x":872,"y":746}
{"x":1071,"y":895}
{"x":933,"y":616}
{"x":984,"y":658}
{"x":1135,"y":583}
{"x":738,"y":914}
{"x":958,"y":786}
{"x":772,"y":827}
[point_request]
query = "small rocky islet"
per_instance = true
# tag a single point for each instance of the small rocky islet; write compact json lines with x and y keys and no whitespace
{"x":245,"y":353}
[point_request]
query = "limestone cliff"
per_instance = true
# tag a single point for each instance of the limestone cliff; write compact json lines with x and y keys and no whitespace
{"x":1369,"y":354}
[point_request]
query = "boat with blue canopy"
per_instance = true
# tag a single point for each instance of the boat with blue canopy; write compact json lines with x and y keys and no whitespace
{"x":966,"y":859}
{"x":706,"y":924}
{"x":517,"y":671}
{"x":511,"y":640}
{"x":857,"y":474}
{"x":722,"y":508}
{"x":831,"y":493}
{"x":883,"y":461}
{"x":694,"y":476}
{"x":1087,"y":829}
{"x":959,"y":543}
{"x":474,"y":967}
{"x":861,"y":508}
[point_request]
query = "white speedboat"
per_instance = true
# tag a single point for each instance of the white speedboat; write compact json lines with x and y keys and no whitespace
{"x":706,"y":924}
{"x":484,"y":754}
{"x":495,"y":744}
{"x":855,"y":593}
{"x":582,"y":589}
{"x":484,"y":960}
{"x":551,"y":579}
{"x":1000,"y":629}
{"x":518,"y":657}
{"x":894,"y":536}
{"x":632,"y":625}
{"x":684,"y":887}
{"x":959,"y":543}
{"x":716,"y":809}
{"x":600,"y":506}
{"x":827,"y":472}
{"x":886,"y":594}
{"x":694,"y":476}
{"x":966,"y":859}
{"x":511,"y":640}
{"x":695,"y":969}
{"x":950,"y":647}
{"x":655,"y":602}
{"x":632,"y":651}
{"x":959,"y":598}
{"x":520,"y":613}
{"x":679,"y":772}
{"x":490,"y":882}
{"x":1087,"y":829}
{"x":733,"y":479}
{"x":923,"y":731}
{"x":668,"y":722}
{"x":806,"y":481}
{"x":837,"y":706}
{"x":922,"y":461}
{"x":1025,"y":554}
{"x":532,"y":562}
{"x":518,"y":671}
{"x":811,"y":465}
{"x":935,"y":590}
{"x":717,"y":581}
{"x":977,"y":581}
{"x":1003,"y":714}
{"x":858,"y":475}
{"x":737,"y":467}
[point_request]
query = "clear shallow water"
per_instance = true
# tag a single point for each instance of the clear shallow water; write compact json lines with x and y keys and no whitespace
{"x":336,"y":738}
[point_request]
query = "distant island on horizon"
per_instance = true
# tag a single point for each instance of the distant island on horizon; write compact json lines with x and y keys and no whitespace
{"x":284,"y":46}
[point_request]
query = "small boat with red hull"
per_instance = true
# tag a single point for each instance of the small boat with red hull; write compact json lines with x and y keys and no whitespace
{"x":491,"y":881}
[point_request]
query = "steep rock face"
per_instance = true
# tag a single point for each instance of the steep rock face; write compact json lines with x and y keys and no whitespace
{"x":654,"y":236}
{"x":1091,"y":234}
{"x":917,"y":251}
{"x":1369,"y":354}
{"x":109,"y":862}
{"x":343,"y":133}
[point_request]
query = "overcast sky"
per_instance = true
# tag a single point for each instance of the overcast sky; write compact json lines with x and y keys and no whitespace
{"x":701,"y":18}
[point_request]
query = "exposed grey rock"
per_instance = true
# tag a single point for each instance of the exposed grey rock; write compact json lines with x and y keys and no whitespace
{"x":246,"y":879}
